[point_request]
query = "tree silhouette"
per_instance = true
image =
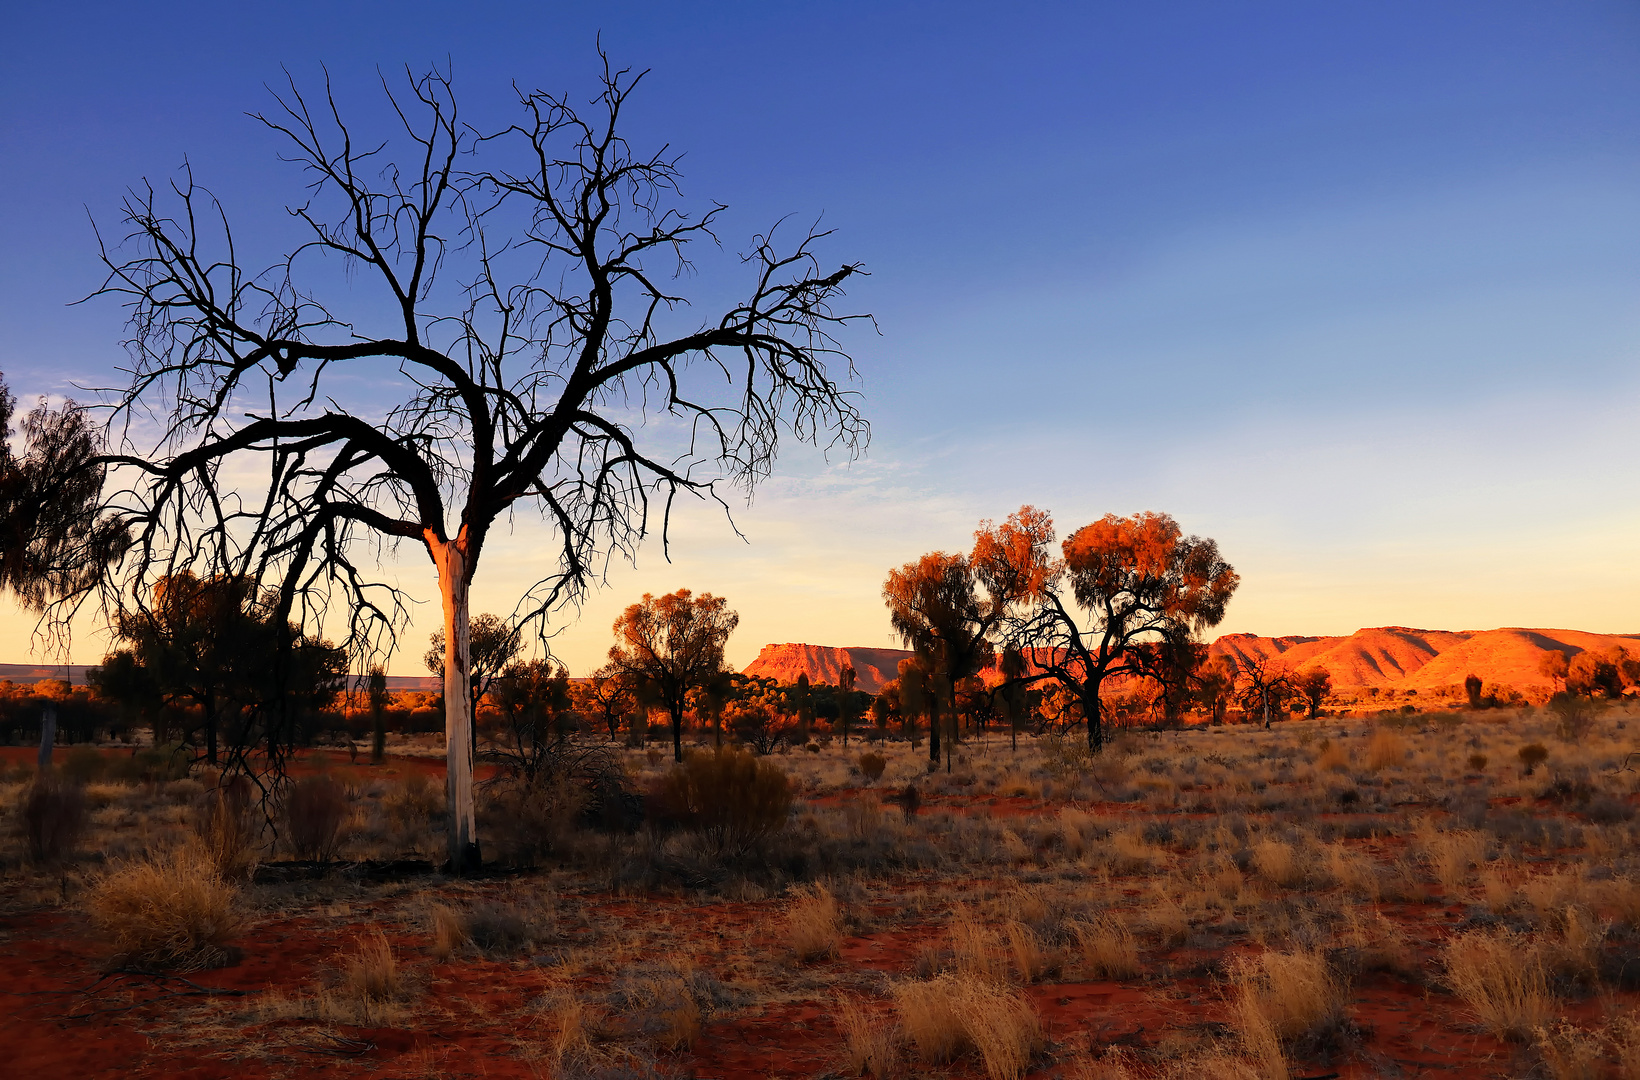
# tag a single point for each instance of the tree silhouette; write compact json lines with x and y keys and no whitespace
{"x":512,"y":285}
{"x":54,"y":542}
{"x":1129,"y":581}
{"x":1316,"y":683}
{"x":673,"y":644}
{"x":948,"y":608}
{"x":845,"y":699}
{"x":491,"y":645}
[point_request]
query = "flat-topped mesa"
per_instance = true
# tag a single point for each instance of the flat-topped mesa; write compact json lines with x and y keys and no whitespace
{"x":1389,"y":657}
{"x":824,"y":664}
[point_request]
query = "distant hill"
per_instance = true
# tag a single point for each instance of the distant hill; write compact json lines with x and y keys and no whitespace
{"x":824,"y":664}
{"x":1390,"y":657}
{"x":29,"y":674}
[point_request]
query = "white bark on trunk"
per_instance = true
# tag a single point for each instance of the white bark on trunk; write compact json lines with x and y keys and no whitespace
{"x":451,"y":559}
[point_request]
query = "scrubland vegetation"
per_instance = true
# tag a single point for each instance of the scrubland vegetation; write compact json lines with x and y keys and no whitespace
{"x":1450,"y":892}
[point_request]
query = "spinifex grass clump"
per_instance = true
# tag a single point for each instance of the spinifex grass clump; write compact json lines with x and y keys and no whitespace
{"x":172,"y":910}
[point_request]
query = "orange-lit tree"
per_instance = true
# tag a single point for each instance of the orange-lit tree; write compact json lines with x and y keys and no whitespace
{"x":948,"y":608}
{"x":516,"y":286}
{"x":1121,"y":583}
{"x":673,"y":644}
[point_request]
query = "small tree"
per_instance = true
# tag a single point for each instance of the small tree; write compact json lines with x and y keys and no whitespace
{"x":673,"y":644}
{"x":1472,"y":690}
{"x":1264,"y":691}
{"x":491,"y":645}
{"x":613,"y":696}
{"x":1216,"y":686}
{"x":376,"y":690}
{"x":1315,"y":683}
{"x":1122,"y":583}
{"x":1554,"y":665}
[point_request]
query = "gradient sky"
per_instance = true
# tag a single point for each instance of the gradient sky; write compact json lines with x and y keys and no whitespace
{"x":1353,"y":288}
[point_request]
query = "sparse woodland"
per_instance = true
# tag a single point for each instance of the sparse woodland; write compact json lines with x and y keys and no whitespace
{"x":1064,"y":840}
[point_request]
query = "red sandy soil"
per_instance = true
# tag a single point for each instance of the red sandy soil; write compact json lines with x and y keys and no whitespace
{"x":65,"y":1019}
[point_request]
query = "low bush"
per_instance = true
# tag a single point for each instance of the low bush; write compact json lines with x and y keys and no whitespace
{"x":227,"y":829}
{"x":733,"y":798}
{"x":1531,"y":756}
{"x":872,"y":766}
{"x":84,"y":765}
{"x":315,"y":807}
{"x":53,"y":818}
{"x":169,"y":911}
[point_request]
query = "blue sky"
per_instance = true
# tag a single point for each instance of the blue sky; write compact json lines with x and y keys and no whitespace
{"x":1352,"y":288}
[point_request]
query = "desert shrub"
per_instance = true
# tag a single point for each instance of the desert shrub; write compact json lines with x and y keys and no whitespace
{"x":523,"y":823}
{"x":1501,"y":977}
{"x":152,"y":764}
{"x":1109,"y":949}
{"x":814,"y":923}
{"x":504,"y":929}
{"x":1277,"y":862}
{"x":169,"y":911}
{"x":1531,"y":756}
{"x":53,"y":818}
{"x":950,"y":1015}
{"x":975,"y":950}
{"x":315,"y":807}
{"x":872,"y":766}
{"x":733,"y":798}
{"x":1571,"y":1053}
{"x":84,"y":765}
{"x":1477,"y":762}
{"x":1574,"y":716}
{"x":661,"y":1008}
{"x":414,"y":801}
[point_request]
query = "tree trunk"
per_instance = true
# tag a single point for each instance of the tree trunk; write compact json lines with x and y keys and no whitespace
{"x":378,"y":735}
{"x":48,"y":735}
{"x":1090,"y":709}
{"x":934,"y":730}
{"x":462,"y":834}
{"x":677,"y":732}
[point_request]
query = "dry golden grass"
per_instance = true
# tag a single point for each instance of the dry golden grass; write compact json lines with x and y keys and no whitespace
{"x":1278,"y":863}
{"x":1282,"y":999}
{"x":1500,"y":977}
{"x":1571,"y":1053}
{"x":814,"y":923}
{"x":169,"y":911}
{"x":449,"y":932}
{"x":1386,"y":749}
{"x":868,"y":1043}
{"x":949,"y":1015}
{"x":1333,"y":758}
{"x":1031,"y":961}
{"x":974,"y":949}
{"x":1109,"y":949}
{"x":371,"y":974}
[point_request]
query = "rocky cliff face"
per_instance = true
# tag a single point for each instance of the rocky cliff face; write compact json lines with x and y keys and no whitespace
{"x":824,"y":664}
{"x":1393,"y":657}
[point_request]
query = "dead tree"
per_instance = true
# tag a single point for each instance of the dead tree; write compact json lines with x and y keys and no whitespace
{"x":510,"y":288}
